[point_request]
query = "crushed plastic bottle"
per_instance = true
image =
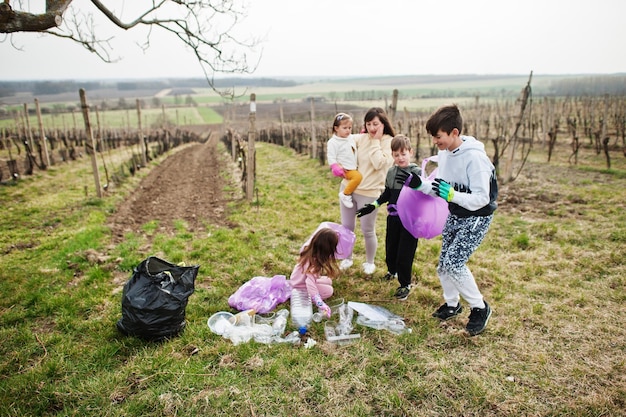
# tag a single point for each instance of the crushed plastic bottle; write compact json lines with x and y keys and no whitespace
{"x":393,"y":325}
{"x":345,"y":320}
{"x":280,"y":322}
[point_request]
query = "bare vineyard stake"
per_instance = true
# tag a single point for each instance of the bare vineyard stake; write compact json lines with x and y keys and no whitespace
{"x":94,"y":163}
{"x":251,"y":137}
{"x":282,"y":125}
{"x":42,"y":134}
{"x":142,"y":143}
{"x":313,"y":138}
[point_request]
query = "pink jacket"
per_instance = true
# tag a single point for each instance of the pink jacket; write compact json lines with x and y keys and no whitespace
{"x":314,"y":284}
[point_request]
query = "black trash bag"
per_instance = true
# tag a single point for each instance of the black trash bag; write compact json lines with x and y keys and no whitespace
{"x":154,"y":299}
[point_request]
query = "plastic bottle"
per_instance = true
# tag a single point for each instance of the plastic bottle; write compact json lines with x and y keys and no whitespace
{"x":301,"y":308}
{"x":280,"y":322}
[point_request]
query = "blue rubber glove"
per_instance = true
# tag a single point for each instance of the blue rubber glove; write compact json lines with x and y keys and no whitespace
{"x":443,"y":189}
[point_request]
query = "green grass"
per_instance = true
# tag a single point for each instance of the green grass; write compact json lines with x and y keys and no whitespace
{"x":552,"y":267}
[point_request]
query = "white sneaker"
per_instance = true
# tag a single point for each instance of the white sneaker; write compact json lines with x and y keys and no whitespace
{"x":346,"y":200}
{"x":369,"y":268}
{"x":345,"y":264}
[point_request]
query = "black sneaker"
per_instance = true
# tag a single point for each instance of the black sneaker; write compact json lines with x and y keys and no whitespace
{"x":389,"y":276}
{"x":478,"y":320}
{"x":445,"y":312}
{"x":402,"y":293}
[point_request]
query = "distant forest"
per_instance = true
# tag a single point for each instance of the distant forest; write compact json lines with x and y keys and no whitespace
{"x":592,"y":85}
{"x":39,"y":88}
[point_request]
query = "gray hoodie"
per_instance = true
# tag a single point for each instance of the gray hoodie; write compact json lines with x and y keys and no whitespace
{"x":471,"y":173}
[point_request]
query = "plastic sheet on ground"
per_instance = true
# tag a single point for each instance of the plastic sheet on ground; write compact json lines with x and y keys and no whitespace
{"x":377,"y":317}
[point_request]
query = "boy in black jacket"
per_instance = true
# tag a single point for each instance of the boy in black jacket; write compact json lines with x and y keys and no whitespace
{"x":400,"y":245}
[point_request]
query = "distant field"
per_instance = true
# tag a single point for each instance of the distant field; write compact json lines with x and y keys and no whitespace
{"x":335,"y":89}
{"x":151,"y":118}
{"x":190,"y":106}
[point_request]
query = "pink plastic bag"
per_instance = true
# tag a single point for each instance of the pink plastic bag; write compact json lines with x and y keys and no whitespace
{"x":346,"y":239}
{"x":422,"y":215}
{"x":262,"y":294}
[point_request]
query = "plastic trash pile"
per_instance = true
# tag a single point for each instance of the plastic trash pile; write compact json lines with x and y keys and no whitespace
{"x":247,"y":325}
{"x":270,"y":329}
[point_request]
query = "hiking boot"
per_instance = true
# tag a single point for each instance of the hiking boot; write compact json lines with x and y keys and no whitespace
{"x":478,"y":320}
{"x":445,"y":312}
{"x":369,"y":268}
{"x":389,"y":276}
{"x":345,"y":264}
{"x":402,"y":293}
{"x":346,"y":200}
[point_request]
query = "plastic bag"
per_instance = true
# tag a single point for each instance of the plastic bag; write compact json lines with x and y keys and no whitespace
{"x":422,"y":215}
{"x":346,"y":239}
{"x":261,"y":294}
{"x":155,"y":298}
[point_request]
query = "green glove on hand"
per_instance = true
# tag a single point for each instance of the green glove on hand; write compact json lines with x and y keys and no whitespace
{"x":443,"y":189}
{"x":367,"y":209}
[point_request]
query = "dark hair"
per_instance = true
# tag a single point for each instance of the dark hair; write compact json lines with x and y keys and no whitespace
{"x":382,"y":116}
{"x":340,"y":117}
{"x":400,"y":143}
{"x":319,"y":255}
{"x":446,"y":119}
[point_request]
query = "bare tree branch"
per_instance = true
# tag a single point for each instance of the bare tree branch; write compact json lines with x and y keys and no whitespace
{"x":202,"y":26}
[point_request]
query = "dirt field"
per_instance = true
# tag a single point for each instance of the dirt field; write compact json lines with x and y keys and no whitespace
{"x":187,"y":185}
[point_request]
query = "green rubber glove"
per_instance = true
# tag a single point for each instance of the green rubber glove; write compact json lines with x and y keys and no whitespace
{"x":443,"y":189}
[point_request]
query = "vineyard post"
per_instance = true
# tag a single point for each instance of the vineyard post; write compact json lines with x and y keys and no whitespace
{"x":603,"y":136}
{"x":394,"y":106}
{"x":42,"y":133}
{"x":477,"y":116}
{"x":313,"y":138}
{"x":164,"y":124}
{"x":94,"y":163}
{"x":234,"y":146}
{"x":251,"y":137}
{"x":142,"y":143}
{"x":28,"y":137}
{"x":282,"y":124}
{"x":100,"y":138}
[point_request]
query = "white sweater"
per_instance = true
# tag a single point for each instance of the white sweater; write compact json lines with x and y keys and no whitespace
{"x":342,"y":151}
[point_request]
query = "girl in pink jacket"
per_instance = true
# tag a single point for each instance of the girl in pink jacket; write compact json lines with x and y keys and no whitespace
{"x":317,"y":267}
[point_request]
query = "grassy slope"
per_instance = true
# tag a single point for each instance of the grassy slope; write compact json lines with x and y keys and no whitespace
{"x":555,"y":345}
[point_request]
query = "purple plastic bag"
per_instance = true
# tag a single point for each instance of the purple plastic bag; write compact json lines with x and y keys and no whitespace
{"x":346,"y":239}
{"x":262,"y":294}
{"x":422,"y":215}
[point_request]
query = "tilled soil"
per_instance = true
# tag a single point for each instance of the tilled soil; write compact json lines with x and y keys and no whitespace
{"x":186,"y":186}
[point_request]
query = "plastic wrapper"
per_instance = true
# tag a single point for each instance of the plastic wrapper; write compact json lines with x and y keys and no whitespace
{"x":347,"y":238}
{"x":261,"y":294}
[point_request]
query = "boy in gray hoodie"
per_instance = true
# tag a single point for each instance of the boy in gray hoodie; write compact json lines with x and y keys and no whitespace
{"x":467,"y":181}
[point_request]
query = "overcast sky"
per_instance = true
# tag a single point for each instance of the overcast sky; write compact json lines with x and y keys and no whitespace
{"x":364,"y":38}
